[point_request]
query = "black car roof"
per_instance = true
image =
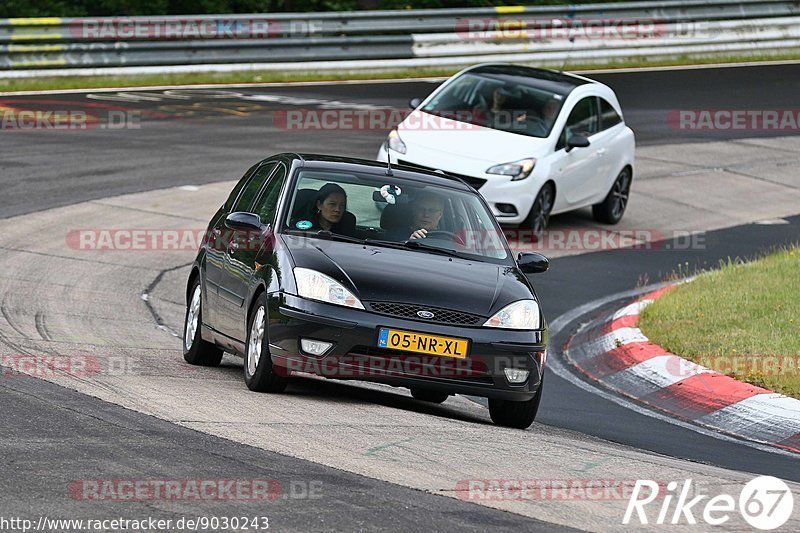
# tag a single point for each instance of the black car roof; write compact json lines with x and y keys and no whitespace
{"x":549,"y":80}
{"x":354,"y":164}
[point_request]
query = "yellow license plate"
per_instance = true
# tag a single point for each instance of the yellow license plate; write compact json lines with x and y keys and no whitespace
{"x":409,"y":341}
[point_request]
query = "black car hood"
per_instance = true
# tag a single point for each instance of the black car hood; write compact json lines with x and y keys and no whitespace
{"x":376,"y":273}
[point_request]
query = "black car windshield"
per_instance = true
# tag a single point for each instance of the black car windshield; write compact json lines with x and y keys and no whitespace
{"x":391,"y":211}
{"x":496,"y":103}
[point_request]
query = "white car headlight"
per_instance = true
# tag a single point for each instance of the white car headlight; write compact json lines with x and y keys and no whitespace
{"x":523,"y":314}
{"x":517,"y":170}
{"x":396,"y":143}
{"x":317,"y":286}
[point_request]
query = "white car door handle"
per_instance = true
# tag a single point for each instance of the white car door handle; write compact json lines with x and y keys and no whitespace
{"x":602,"y":151}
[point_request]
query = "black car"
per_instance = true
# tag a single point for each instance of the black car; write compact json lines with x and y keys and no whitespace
{"x":349,"y":269}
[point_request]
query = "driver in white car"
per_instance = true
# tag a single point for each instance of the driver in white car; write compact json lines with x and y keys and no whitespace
{"x":542,"y":124}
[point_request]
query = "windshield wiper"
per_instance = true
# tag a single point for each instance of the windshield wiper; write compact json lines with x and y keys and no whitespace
{"x":390,"y":244}
{"x":403,"y":245}
{"x":417,"y":244}
{"x":325,"y":234}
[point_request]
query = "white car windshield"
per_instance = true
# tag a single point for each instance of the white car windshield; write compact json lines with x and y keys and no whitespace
{"x":494,"y":103}
{"x":389,"y":210}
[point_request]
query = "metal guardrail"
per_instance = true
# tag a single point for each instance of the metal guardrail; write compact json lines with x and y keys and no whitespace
{"x":591,"y":32}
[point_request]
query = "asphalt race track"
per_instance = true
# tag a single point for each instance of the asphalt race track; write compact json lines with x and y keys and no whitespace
{"x":232,"y":131}
{"x":348,"y":457}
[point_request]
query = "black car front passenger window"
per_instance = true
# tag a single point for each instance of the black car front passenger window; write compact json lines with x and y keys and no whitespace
{"x":250,"y":190}
{"x":238,"y":188}
{"x":267,"y":204}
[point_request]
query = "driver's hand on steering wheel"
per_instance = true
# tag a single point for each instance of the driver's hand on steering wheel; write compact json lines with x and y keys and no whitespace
{"x":419,"y":234}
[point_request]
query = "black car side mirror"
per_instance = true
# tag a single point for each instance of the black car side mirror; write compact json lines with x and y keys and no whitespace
{"x":414,"y":103}
{"x":532,"y":262}
{"x":577,"y":141}
{"x":243,"y":222}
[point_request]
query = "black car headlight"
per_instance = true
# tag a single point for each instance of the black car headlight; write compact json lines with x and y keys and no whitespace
{"x":523,"y":314}
{"x":317,"y":286}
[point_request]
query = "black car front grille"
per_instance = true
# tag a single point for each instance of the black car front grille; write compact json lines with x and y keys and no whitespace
{"x":440,"y":316}
{"x":476,"y":183}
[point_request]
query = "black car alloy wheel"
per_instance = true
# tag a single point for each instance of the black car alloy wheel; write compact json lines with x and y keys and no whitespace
{"x":196,"y":351}
{"x":259,"y":374}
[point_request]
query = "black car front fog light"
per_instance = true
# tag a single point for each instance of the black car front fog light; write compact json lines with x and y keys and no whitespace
{"x":315,"y":347}
{"x":516,"y":375}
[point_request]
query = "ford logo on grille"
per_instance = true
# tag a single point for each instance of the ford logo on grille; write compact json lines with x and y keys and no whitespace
{"x":425,"y":314}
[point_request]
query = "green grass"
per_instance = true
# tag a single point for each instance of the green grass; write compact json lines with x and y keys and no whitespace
{"x":201,"y":78}
{"x":742,"y":320}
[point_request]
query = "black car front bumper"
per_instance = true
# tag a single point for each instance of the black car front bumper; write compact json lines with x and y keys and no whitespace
{"x":355,"y":353}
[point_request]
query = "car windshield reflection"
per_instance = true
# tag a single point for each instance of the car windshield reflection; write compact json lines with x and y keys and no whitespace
{"x":494,"y":103}
{"x":391,"y":211}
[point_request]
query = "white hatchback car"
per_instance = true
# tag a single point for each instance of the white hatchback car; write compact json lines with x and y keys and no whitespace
{"x":534,"y":142}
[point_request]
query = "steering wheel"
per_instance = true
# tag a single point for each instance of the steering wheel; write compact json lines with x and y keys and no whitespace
{"x":444,"y":234}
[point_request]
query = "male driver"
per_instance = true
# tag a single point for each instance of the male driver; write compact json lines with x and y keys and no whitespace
{"x":426,"y":212}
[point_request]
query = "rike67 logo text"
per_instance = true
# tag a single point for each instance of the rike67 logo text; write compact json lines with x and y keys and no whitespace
{"x":765,"y":503}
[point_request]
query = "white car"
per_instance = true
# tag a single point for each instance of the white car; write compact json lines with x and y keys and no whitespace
{"x":533,"y":142}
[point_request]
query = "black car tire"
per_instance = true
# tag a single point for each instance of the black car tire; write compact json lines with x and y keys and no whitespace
{"x":610,"y":210}
{"x":539,"y":216}
{"x":202,"y":353}
{"x":512,"y":414}
{"x":427,"y":395}
{"x":259,"y":375}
